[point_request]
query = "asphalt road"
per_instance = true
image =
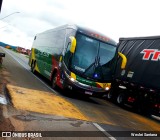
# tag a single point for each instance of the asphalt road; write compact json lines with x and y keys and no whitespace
{"x":101,"y":115}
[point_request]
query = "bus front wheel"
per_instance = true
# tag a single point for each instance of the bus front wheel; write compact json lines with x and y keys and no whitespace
{"x":109,"y":95}
{"x":54,"y":81}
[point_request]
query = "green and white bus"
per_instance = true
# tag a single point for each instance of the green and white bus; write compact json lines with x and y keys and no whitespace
{"x":76,"y":58}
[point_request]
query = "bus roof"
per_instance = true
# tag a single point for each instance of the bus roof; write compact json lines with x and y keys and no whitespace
{"x":86,"y":31}
{"x":96,"y":35}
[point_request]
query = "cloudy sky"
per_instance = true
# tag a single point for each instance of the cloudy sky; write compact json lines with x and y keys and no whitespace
{"x":115,"y":18}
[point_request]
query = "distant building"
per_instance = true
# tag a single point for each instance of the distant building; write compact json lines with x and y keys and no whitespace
{"x":28,"y":51}
{"x":8,"y":47}
{"x":23,"y":50}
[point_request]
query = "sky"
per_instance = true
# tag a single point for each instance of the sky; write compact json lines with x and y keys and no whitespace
{"x":21,"y":20}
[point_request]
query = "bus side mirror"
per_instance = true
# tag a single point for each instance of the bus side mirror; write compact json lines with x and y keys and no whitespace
{"x":124,"y":60}
{"x":73,"y":44}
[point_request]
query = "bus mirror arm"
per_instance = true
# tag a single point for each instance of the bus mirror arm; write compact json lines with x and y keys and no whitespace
{"x":124,"y":60}
{"x":73,"y":44}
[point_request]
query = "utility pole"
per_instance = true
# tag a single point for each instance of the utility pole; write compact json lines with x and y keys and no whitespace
{"x":1,"y":4}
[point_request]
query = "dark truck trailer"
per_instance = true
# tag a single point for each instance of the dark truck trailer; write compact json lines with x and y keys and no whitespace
{"x":139,"y":83}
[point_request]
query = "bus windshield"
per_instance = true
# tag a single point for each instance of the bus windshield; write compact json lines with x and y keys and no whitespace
{"x":93,"y":59}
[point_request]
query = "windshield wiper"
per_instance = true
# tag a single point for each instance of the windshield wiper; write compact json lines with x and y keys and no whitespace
{"x":90,"y":66}
{"x":100,"y":67}
{"x":96,"y":64}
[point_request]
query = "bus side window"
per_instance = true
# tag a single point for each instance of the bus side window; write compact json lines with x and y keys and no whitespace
{"x":67,"y":54}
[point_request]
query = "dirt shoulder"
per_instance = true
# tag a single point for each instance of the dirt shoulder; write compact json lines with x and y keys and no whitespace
{"x":5,"y":123}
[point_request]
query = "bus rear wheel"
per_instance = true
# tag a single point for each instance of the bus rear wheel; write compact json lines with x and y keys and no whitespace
{"x":33,"y":67}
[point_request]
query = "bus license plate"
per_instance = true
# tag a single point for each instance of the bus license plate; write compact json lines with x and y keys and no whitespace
{"x":89,"y":93}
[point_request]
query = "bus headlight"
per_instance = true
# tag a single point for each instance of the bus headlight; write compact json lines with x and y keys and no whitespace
{"x":107,"y":88}
{"x":72,"y":79}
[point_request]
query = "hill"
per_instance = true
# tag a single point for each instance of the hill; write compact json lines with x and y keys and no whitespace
{"x":8,"y":45}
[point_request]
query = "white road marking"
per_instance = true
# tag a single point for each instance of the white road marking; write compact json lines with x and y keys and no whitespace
{"x":104,"y":131}
{"x":95,"y":124}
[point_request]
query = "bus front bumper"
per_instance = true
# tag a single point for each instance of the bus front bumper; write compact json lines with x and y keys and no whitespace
{"x":83,"y":88}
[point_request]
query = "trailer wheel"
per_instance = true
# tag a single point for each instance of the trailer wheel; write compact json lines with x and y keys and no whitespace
{"x":33,"y":67}
{"x":120,"y":98}
{"x":54,"y":80}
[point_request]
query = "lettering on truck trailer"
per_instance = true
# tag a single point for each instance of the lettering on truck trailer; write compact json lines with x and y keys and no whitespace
{"x":151,"y":54}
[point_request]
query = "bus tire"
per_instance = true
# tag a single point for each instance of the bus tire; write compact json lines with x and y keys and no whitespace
{"x":109,"y":95}
{"x":54,"y":80}
{"x":33,"y":64}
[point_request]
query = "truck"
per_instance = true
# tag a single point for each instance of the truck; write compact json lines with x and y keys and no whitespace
{"x":138,"y":85}
{"x":76,"y":58}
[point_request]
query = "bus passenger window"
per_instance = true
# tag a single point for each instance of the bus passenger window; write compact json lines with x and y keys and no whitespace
{"x":67,"y":54}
